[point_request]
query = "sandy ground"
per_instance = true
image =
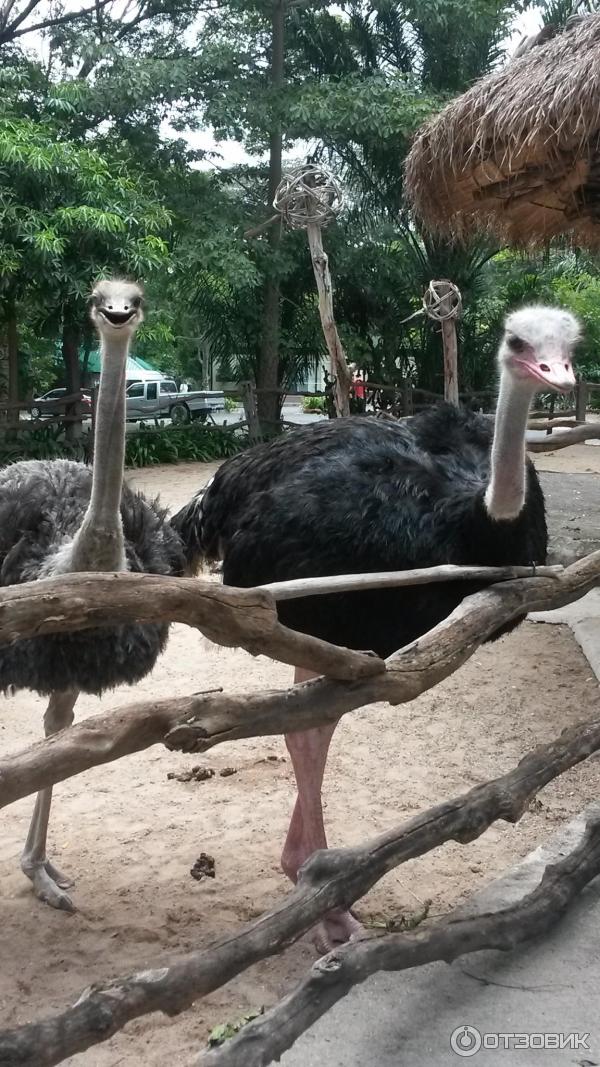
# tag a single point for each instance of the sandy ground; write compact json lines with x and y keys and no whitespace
{"x":130,"y":836}
{"x":577,"y":459}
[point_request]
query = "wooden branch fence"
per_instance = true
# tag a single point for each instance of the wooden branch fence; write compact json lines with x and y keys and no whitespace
{"x":68,"y":415}
{"x":339,"y":877}
{"x":406,"y":400}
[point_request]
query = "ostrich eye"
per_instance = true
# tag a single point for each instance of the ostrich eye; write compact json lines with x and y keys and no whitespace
{"x":136,"y":302}
{"x":516,"y":344}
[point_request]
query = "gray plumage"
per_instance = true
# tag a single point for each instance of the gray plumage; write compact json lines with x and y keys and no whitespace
{"x":42,"y":504}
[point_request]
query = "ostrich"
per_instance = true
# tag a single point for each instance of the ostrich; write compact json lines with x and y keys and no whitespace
{"x":357,"y":495}
{"x":58,"y":517}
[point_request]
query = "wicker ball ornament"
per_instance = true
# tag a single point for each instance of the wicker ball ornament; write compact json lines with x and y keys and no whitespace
{"x":442,"y":304}
{"x":308,"y":196}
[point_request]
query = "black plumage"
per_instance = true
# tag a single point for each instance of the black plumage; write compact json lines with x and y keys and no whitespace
{"x":42,"y":504}
{"x":361,"y":495}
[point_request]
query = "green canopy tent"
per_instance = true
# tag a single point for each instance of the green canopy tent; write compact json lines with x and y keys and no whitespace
{"x":138,"y":370}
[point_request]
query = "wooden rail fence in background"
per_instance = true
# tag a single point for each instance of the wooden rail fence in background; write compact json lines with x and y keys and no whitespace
{"x":73,"y":400}
{"x":404,"y":400}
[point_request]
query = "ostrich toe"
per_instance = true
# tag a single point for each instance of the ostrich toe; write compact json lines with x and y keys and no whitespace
{"x":335,"y":929}
{"x":49,"y":884}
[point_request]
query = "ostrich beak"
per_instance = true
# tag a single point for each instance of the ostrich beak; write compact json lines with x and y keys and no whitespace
{"x":556,"y":373}
{"x":117,"y":316}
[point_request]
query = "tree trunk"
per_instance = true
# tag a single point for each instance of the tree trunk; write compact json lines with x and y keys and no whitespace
{"x":71,"y":336}
{"x":12,"y":338}
{"x":87,"y":349}
{"x":267,"y":377}
{"x":205,"y":360}
{"x":4,"y":375}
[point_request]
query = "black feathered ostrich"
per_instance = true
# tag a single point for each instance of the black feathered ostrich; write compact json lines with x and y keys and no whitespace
{"x":357,"y":495}
{"x":58,"y":517}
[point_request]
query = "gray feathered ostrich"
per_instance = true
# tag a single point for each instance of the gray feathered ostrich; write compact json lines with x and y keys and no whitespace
{"x":58,"y":517}
{"x":357,"y":495}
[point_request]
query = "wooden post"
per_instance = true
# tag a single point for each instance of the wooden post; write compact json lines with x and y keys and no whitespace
{"x":95,"y":390}
{"x":446,"y":292}
{"x":407,"y":396}
{"x":340,"y":371}
{"x":310,"y":199}
{"x":581,"y":400}
{"x":551,"y":414}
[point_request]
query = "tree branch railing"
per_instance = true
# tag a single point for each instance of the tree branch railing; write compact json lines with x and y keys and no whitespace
{"x":333,"y":878}
{"x":226,"y":615}
{"x":579,"y":434}
{"x":198,"y":722}
{"x":339,"y":877}
{"x":264,"y":1039}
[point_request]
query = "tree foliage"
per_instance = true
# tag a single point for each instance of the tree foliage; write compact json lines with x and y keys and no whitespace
{"x":98,"y":173}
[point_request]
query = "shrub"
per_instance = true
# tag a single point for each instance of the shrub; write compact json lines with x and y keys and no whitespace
{"x":175,"y":444}
{"x":145,"y":448}
{"x":230,"y":403}
{"x":313,"y":405}
{"x":45,"y":442}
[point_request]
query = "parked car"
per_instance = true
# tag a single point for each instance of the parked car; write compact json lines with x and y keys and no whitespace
{"x":53,"y":403}
{"x":161,"y":399}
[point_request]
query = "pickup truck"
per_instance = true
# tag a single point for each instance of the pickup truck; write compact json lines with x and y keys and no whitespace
{"x":161,"y":399}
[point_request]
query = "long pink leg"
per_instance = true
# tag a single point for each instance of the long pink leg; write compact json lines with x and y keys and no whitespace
{"x":306,"y":834}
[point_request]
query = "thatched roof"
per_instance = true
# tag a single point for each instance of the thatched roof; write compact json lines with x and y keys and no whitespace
{"x":519,"y":153}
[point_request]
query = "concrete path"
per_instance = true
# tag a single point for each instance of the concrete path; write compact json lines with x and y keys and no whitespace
{"x":573,"y":513}
{"x":549,"y":987}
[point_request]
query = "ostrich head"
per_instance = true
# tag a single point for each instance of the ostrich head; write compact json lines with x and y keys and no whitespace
{"x":116,"y":308}
{"x":537,"y":348}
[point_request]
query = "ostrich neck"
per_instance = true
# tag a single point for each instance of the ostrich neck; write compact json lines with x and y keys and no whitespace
{"x":99,"y":542}
{"x":505,"y":494}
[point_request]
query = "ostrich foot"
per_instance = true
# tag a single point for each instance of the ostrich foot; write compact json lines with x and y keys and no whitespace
{"x":48,"y":883}
{"x":335,"y":929}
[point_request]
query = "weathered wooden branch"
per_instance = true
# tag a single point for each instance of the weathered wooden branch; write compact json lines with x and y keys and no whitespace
{"x":587,"y":432}
{"x":337,"y":877}
{"x":447,"y":572}
{"x":544,"y":413}
{"x":233,"y":617}
{"x":551,"y":424}
{"x":449,"y":340}
{"x":262,"y":1041}
{"x":255,"y":231}
{"x":340,"y":371}
{"x":198,"y":723}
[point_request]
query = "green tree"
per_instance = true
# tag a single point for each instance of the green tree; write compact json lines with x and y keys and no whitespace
{"x":67,"y":213}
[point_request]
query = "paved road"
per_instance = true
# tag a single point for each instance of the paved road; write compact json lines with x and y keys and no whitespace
{"x":291,"y":413}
